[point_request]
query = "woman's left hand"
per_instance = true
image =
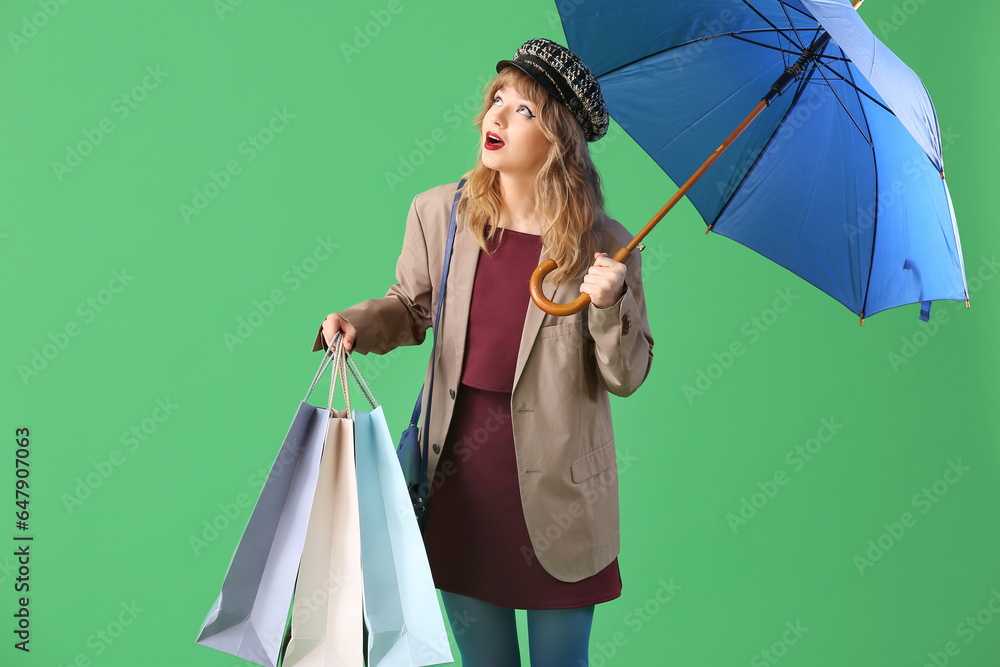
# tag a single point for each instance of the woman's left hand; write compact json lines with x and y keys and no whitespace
{"x":604,"y":281}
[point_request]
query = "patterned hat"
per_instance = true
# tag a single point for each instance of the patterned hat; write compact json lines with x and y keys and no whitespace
{"x":559,"y":71}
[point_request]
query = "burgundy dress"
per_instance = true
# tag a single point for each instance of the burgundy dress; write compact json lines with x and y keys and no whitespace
{"x":476,"y":538}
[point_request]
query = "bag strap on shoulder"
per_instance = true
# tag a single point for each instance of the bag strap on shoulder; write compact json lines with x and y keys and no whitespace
{"x":452,"y":227}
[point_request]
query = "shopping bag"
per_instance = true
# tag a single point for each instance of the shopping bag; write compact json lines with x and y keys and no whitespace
{"x":248,"y":618}
{"x":327,"y":620}
{"x":401,"y":609}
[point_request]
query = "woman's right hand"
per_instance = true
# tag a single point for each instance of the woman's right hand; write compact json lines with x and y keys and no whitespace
{"x":334,"y":323}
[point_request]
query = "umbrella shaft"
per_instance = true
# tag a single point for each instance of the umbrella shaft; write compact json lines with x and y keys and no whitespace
{"x":792,"y":73}
{"x":695,"y":176}
{"x":777,"y":88}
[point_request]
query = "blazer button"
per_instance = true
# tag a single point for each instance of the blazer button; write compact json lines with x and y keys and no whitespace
{"x":436,"y":448}
{"x":452,"y":392}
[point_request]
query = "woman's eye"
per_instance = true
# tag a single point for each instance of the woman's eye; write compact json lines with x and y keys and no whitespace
{"x":496,"y":100}
{"x":525,"y":111}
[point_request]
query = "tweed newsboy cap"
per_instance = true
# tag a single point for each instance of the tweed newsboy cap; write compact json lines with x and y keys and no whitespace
{"x":561,"y":72}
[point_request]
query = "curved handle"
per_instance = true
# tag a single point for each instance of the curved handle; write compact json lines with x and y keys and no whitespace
{"x":562,"y":309}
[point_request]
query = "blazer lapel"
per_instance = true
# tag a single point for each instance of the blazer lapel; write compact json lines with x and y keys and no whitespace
{"x":457,"y":302}
{"x":532,"y":322}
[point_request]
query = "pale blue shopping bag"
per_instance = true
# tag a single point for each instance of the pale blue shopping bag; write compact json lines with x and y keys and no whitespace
{"x":401,"y":610}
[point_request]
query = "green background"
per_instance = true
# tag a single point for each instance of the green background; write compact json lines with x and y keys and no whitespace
{"x":906,"y":398}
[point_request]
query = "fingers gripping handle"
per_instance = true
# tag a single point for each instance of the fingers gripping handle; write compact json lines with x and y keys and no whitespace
{"x":562,"y":309}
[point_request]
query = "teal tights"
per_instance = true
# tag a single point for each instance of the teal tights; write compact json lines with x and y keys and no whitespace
{"x":487,"y":634}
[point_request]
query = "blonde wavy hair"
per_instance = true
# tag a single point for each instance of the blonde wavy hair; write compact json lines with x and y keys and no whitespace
{"x":568,"y":195}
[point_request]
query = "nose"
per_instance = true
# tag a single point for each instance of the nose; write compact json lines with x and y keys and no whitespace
{"x":498,"y":116}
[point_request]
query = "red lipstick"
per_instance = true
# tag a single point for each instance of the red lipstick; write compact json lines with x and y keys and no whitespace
{"x":493,"y":142}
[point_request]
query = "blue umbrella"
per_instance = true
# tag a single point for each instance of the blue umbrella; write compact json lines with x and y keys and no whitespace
{"x":836,"y":173}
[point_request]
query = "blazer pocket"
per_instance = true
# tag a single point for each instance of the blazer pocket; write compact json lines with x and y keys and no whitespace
{"x":593,"y":463}
{"x":565,"y":326}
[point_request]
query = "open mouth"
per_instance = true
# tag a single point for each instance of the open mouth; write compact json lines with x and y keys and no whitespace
{"x":493,"y":142}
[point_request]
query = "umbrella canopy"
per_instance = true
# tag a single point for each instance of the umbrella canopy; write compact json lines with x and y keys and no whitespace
{"x":840,"y":180}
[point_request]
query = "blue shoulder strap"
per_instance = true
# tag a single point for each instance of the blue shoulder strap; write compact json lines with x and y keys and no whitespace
{"x":452,"y":226}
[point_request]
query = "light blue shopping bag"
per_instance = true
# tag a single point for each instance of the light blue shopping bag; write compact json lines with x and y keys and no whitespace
{"x":401,"y":610}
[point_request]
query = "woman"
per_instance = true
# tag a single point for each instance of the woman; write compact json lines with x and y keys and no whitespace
{"x":523,"y":510}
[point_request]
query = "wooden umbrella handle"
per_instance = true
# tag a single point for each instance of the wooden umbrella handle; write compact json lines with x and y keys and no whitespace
{"x":578,"y":304}
{"x":562,"y":309}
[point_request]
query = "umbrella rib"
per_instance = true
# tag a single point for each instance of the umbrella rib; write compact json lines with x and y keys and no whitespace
{"x":766,"y":46}
{"x":776,"y":28}
{"x":804,"y":13}
{"x":778,"y":48}
{"x":763,"y":150}
{"x":802,"y":229}
{"x":792,"y":24}
{"x":832,"y":58}
{"x":871,"y":261}
{"x":693,"y":41}
{"x":854,"y":85}
{"x":867,"y":137}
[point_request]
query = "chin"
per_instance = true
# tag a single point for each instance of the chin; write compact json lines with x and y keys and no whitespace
{"x":489,"y":161}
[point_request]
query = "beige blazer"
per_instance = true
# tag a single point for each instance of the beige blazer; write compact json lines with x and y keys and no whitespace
{"x":566,"y":366}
